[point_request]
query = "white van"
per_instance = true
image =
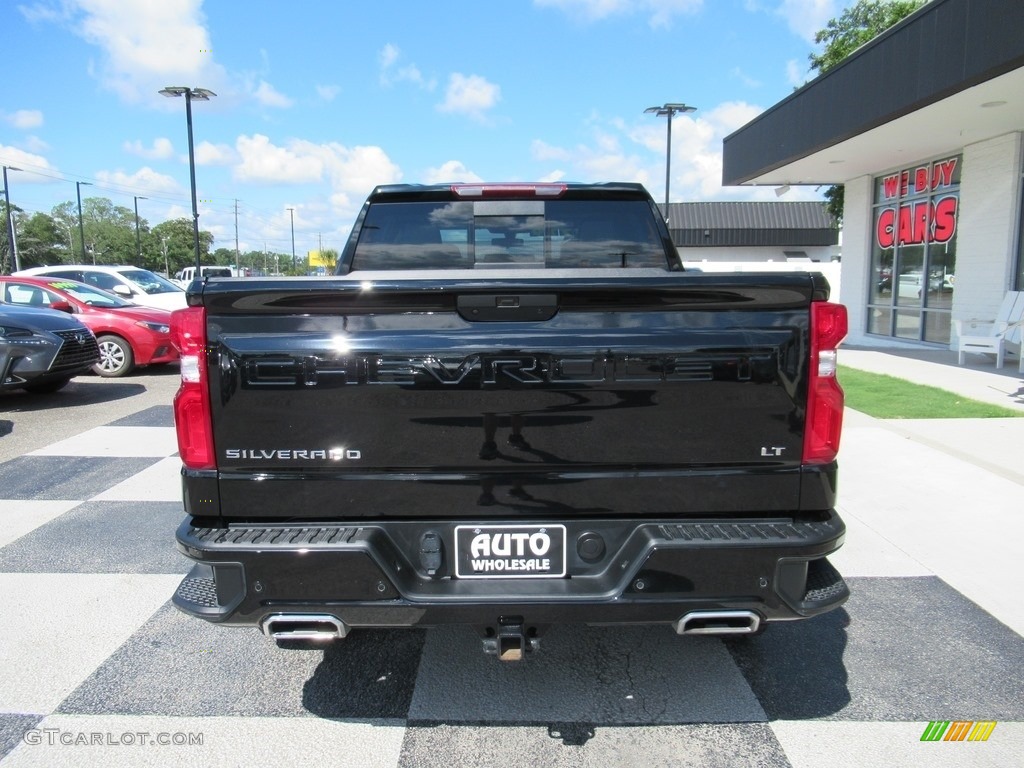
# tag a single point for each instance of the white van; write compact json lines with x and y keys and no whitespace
{"x":185,"y":276}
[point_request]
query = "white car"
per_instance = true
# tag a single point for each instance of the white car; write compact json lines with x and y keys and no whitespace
{"x":133,"y":283}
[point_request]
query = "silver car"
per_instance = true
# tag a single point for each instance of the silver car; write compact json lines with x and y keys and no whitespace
{"x":41,"y":350}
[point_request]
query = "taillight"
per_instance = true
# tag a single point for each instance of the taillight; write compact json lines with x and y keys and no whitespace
{"x":192,"y":417}
{"x":510,"y":189}
{"x":824,"y":395}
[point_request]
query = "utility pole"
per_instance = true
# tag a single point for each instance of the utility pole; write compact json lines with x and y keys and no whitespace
{"x":291,"y":212}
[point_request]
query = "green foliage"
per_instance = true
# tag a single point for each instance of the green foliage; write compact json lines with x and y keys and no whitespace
{"x":40,"y":241}
{"x":861,"y":22}
{"x":834,"y":200}
{"x":858,"y":24}
{"x":886,"y":397}
{"x":223,"y":256}
{"x":178,"y":237}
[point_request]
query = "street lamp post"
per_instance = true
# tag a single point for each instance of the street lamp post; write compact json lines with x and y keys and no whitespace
{"x":13,"y":244}
{"x":201,"y":94}
{"x":81,"y":227}
{"x":138,"y":237}
{"x":667,"y":110}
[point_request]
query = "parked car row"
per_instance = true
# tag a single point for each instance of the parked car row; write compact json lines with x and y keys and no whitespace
{"x":131,"y":283}
{"x":128,"y":335}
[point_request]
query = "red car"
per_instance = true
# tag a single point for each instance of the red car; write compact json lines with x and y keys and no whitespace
{"x":129,"y":335}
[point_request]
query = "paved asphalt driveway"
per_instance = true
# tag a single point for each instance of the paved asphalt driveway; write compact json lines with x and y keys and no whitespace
{"x":97,"y":668}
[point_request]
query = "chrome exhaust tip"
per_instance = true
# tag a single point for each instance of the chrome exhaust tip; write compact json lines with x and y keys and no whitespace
{"x":718,"y":623}
{"x":304,"y":626}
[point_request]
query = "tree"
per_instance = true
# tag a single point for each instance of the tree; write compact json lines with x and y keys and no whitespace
{"x":109,"y":231}
{"x":224,"y":256}
{"x":40,"y":241}
{"x":858,"y":24}
{"x":178,"y":236}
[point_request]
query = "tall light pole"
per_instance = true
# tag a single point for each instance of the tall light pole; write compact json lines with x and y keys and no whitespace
{"x":138,"y":237}
{"x":12,"y":243}
{"x":667,"y":110}
{"x":291,"y":212}
{"x":81,"y":227}
{"x":200,"y":94}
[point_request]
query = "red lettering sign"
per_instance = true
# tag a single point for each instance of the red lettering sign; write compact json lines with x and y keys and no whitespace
{"x":917,"y":223}
{"x":899,"y":184}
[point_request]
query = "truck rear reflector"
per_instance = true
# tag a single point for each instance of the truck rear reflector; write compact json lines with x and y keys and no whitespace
{"x":192,"y":416}
{"x":824,"y":421}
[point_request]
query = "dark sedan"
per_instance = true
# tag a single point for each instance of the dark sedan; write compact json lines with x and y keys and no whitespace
{"x":129,"y":335}
{"x":42,"y":350}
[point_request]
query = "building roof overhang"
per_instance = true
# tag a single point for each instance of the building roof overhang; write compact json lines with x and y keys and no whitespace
{"x":947,"y":76}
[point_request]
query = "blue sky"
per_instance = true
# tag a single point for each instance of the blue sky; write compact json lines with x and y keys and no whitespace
{"x":320,"y":100}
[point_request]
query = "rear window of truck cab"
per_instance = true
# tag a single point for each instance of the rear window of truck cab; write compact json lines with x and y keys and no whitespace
{"x":509,"y":233}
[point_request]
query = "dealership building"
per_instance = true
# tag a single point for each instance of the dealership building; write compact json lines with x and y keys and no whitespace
{"x":923,"y":127}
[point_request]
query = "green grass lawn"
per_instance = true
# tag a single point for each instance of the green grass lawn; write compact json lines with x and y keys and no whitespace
{"x":886,"y":397}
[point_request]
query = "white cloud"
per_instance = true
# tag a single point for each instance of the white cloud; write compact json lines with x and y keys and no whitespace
{"x":744,"y":78}
{"x":263,"y":161}
{"x":24,"y":119}
{"x":453,"y":170}
{"x":35,"y":144}
{"x":33,"y":163}
{"x":145,"y":45}
{"x":660,"y":13}
{"x":469,"y":95}
{"x":215,"y":154}
{"x":351,"y":172}
{"x":269,"y":96}
{"x":392,"y":72}
{"x":162,"y":149}
{"x":796,"y":73}
{"x":143,"y":180}
{"x":40,"y":12}
{"x":328,"y":92}
{"x":543,"y":151}
{"x":634,"y":150}
{"x":806,"y":17}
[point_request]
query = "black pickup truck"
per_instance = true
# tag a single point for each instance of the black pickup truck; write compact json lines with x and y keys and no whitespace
{"x":511,"y":407}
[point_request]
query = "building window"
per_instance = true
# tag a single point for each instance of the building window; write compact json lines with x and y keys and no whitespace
{"x":913,"y":258}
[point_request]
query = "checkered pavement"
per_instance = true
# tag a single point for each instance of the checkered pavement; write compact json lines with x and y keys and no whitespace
{"x":97,"y":667}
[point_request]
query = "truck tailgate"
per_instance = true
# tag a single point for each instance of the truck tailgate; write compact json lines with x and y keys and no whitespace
{"x":581,"y":394}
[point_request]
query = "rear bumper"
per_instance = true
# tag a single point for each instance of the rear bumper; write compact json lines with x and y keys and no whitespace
{"x":375,"y":575}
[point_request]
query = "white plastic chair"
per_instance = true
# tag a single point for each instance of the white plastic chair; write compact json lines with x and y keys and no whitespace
{"x":980,"y":337}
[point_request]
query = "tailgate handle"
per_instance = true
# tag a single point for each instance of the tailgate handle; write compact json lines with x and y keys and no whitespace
{"x":492,"y":307}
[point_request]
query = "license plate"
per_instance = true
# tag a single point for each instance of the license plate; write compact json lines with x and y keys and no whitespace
{"x":509,"y":551}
